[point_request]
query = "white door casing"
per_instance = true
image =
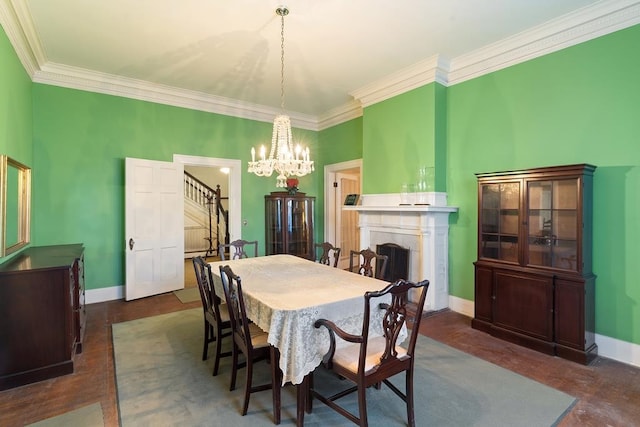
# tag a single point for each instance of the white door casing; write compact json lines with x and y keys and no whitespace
{"x":333,"y":206}
{"x":154,"y":227}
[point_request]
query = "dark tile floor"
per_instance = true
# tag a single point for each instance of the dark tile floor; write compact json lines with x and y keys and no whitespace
{"x":608,"y":391}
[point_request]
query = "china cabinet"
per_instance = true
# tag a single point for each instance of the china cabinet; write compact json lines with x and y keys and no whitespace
{"x":533,"y":280}
{"x":289,"y":224}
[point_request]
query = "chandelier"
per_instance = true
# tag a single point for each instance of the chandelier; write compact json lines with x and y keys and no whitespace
{"x":283,"y":158}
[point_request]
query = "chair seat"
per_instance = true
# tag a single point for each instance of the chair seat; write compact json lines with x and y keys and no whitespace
{"x":258,"y":336}
{"x":347,"y":356}
{"x":224,"y":313}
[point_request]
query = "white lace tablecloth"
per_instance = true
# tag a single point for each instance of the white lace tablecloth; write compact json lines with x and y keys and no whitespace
{"x":285,"y":295}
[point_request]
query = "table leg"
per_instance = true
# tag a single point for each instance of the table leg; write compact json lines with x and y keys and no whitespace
{"x":276,"y":383}
{"x":301,"y":392}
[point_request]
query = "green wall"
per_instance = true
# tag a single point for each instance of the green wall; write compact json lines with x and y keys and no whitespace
{"x":80,"y":142}
{"x":15,"y":105}
{"x":402,"y":134}
{"x":15,"y":111}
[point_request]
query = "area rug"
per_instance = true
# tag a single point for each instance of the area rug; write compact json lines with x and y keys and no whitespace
{"x":87,"y":416}
{"x":162,"y":381}
{"x":187,"y":295}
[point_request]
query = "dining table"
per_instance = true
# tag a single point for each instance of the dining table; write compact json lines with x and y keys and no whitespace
{"x":284,"y":295}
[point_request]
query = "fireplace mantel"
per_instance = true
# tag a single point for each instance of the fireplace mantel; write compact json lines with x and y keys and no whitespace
{"x":423,"y":229}
{"x":403,"y":208}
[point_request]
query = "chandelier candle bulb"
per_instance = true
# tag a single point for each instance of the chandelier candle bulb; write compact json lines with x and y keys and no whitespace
{"x":253,"y":154}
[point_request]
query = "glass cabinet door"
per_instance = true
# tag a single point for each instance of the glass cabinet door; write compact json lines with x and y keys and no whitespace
{"x":552,"y":218}
{"x":298,"y":211}
{"x":289,"y":224}
{"x":500,"y":219}
{"x":273,"y":224}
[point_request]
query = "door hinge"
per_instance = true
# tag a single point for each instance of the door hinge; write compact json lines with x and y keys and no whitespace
{"x":335,"y":184}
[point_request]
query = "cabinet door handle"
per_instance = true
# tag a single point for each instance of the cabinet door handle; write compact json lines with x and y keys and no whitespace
{"x":131,"y":243}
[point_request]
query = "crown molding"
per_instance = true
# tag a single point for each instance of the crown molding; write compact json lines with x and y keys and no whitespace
{"x":15,"y":33}
{"x":434,"y":69}
{"x":585,"y":24}
{"x":92,"y":81}
{"x":336,"y":116}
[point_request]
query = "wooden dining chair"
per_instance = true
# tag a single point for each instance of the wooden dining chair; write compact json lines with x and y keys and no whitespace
{"x":217,"y":323}
{"x":325,"y":252}
{"x":370,"y":361}
{"x":372,"y":265}
{"x":251,"y":341}
{"x":238,"y":249}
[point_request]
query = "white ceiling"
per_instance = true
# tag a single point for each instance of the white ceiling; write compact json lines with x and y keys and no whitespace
{"x":224,"y":56}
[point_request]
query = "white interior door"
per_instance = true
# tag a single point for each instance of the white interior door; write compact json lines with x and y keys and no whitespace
{"x":347,"y":231}
{"x":154,"y":227}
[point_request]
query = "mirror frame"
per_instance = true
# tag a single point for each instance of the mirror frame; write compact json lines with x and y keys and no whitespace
{"x":23,"y":202}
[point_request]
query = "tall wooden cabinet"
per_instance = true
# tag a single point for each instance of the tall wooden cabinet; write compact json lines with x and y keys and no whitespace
{"x":533,"y":280}
{"x":289,"y":224}
{"x":43,"y":313}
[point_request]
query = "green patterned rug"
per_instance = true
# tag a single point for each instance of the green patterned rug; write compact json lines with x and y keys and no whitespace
{"x":162,"y":381}
{"x":87,"y":416}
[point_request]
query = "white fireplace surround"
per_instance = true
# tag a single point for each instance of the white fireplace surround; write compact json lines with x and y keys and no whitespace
{"x":423,"y":229}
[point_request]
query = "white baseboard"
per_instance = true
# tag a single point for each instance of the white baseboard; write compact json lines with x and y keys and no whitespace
{"x":611,"y":348}
{"x":462,"y":306}
{"x":92,"y":296}
{"x":622,"y":351}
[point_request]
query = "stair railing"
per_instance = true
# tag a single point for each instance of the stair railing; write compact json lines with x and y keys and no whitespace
{"x":201,"y":194}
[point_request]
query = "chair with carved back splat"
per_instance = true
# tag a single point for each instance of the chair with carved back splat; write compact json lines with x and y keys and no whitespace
{"x":328,"y":252}
{"x":369,"y":361}
{"x":366,"y":268}
{"x":240,"y":249}
{"x":217,"y":324}
{"x":251,"y":341}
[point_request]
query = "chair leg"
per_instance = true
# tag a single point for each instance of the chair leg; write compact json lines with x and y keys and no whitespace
{"x":409,"y":396}
{"x":216,"y":363}
{"x":247,"y":387}
{"x":234,"y":367}
{"x":206,"y":340}
{"x":362,"y":405}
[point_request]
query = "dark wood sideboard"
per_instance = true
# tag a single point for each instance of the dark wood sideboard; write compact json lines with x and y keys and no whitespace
{"x":43,"y":313}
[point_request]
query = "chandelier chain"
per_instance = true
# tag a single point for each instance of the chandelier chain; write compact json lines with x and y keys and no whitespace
{"x":282,"y":61}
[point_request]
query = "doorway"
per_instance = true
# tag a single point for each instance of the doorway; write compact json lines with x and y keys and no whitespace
{"x":234,"y":194}
{"x":341,"y":227}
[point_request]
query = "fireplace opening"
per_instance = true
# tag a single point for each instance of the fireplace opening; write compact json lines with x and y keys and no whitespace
{"x":397,"y":263}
